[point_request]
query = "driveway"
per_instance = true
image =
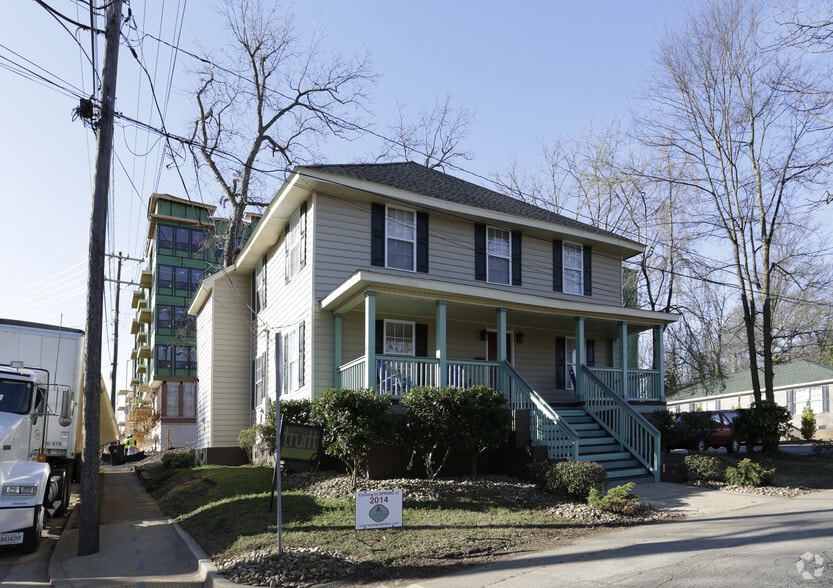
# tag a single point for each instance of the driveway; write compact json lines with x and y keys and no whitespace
{"x":765,"y":541}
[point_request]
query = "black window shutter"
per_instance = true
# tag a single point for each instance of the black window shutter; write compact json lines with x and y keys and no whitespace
{"x":254,"y":385}
{"x":560,"y":363}
{"x":480,"y":252}
{"x":557,"y":266}
{"x":302,"y":352}
{"x":516,"y":258}
{"x":825,"y":399}
{"x":377,"y":234}
{"x":590,"y":353}
{"x":380,"y":336}
{"x":588,"y":273}
{"x":422,"y":242}
{"x":421,"y":340}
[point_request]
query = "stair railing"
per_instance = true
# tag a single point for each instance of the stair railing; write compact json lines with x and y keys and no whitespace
{"x":546,"y":427}
{"x":620,"y":419}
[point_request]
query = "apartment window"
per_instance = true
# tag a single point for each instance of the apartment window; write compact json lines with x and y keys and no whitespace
{"x":166,"y":237}
{"x":296,"y":242}
{"x":186,"y":357}
{"x":197,"y":276}
{"x":260,"y":285}
{"x":164,"y":319}
{"x":183,"y":239}
{"x":182,"y":279}
{"x":498,"y":255}
{"x":197,"y":240}
{"x":163,"y":357}
{"x":399,"y":238}
{"x":165,"y":277}
{"x":399,"y":337}
{"x":571,"y":272}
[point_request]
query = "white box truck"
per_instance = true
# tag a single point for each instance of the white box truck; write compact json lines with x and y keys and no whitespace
{"x":41,"y":388}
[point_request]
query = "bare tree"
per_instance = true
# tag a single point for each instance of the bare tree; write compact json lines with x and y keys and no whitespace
{"x":435,"y":139}
{"x":266,"y":103}
{"x":753,"y":148}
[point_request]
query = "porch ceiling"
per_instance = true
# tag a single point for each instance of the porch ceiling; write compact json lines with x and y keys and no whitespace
{"x":413,"y":296}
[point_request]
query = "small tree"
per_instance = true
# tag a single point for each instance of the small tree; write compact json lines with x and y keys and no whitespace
{"x":483,"y":421}
{"x":353,"y":421}
{"x":428,"y":428}
{"x":808,"y":422}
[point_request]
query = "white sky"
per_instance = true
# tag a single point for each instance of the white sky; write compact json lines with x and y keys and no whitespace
{"x":526,"y":69}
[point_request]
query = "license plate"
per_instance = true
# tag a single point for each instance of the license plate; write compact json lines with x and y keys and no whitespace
{"x":11,"y":538}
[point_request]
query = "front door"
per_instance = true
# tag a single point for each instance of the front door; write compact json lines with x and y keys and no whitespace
{"x":491,"y":352}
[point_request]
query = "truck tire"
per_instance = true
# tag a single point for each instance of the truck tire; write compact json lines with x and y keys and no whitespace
{"x":64,"y":490}
{"x":32,"y":535}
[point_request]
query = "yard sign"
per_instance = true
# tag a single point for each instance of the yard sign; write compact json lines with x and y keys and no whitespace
{"x":378,"y":509}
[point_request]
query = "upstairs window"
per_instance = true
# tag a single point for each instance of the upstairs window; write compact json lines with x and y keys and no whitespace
{"x":295,"y":243}
{"x":571,"y":268}
{"x":399,"y":238}
{"x":260,"y":285}
{"x":498,"y":255}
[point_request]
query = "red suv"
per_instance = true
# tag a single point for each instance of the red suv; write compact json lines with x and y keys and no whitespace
{"x":723,"y":436}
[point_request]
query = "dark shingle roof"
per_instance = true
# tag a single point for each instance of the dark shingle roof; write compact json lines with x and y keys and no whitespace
{"x":419,"y":179}
{"x":796,"y":374}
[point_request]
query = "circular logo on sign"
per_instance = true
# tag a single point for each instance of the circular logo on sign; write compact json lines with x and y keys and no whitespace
{"x":810,"y":566}
{"x":379,"y":513}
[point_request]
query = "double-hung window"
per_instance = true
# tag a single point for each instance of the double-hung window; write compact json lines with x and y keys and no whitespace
{"x":498,"y":255}
{"x":400,"y":238}
{"x":573,"y":269}
{"x":399,"y":338}
{"x":260,"y":285}
{"x":294,"y":358}
{"x":296,"y":242}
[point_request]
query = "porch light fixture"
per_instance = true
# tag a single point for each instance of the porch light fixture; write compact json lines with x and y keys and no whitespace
{"x":484,"y":335}
{"x":519,"y":338}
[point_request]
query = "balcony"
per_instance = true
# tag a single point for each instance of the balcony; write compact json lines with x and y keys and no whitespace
{"x":143,"y":352}
{"x":146,"y":279}
{"x":141,"y":337}
{"x":137,"y":299}
{"x":135,"y":327}
{"x":145,"y":315}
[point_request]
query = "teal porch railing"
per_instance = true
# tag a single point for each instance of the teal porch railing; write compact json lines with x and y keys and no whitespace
{"x":395,"y":375}
{"x":643,"y":385}
{"x":620,"y":419}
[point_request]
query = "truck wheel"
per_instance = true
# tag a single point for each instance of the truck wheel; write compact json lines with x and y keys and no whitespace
{"x":64,"y":490}
{"x":32,"y":535}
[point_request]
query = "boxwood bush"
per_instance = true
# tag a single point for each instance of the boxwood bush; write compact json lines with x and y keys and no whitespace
{"x":575,"y":478}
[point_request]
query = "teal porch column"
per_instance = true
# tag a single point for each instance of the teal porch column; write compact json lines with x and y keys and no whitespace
{"x":659,"y":361}
{"x":442,"y":352}
{"x":337,"y":327}
{"x":503,"y":380}
{"x":581,"y":355}
{"x":623,"y":357}
{"x":370,"y":339}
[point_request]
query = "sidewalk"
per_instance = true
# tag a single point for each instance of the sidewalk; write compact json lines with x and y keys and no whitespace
{"x":137,"y":543}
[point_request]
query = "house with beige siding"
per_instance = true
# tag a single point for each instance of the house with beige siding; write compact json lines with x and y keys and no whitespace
{"x":796,"y":385}
{"x":389,"y":276}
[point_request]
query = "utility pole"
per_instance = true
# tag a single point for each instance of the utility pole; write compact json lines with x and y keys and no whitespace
{"x":88,"y":535}
{"x":115,"y":364}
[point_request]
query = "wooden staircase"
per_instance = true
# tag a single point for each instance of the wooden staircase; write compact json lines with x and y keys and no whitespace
{"x":596,"y":444}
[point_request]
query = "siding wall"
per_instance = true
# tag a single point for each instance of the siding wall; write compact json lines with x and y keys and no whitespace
{"x":224,"y":409}
{"x":342,"y":232}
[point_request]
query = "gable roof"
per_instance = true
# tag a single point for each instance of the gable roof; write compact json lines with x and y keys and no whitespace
{"x":419,"y":179}
{"x":795,"y":374}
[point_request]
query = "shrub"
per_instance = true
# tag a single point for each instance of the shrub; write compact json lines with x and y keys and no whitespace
{"x":664,"y":421}
{"x":178,"y":459}
{"x":618,"y":499}
{"x":765,"y":423}
{"x":575,"y":478}
{"x":353,"y":421}
{"x":749,"y":473}
{"x":808,"y":423}
{"x":438,"y":421}
{"x":705,"y":467}
{"x":246,"y":441}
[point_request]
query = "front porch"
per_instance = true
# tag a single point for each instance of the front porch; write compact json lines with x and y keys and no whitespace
{"x":537,"y":356}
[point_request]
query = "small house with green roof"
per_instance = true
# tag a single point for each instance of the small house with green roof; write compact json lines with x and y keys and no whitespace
{"x":797,"y":384}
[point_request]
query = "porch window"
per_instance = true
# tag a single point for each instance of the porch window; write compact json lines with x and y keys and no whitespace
{"x":399,"y":338}
{"x":498,"y":255}
{"x":400,"y":238}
